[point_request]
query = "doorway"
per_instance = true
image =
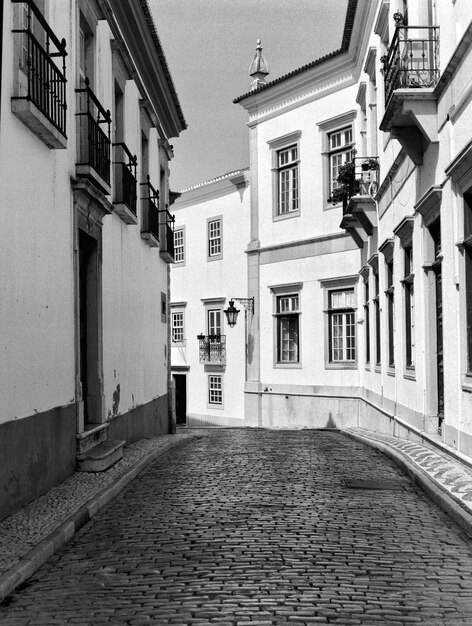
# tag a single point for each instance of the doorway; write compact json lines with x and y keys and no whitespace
{"x":89,"y":328}
{"x":180,"y":398}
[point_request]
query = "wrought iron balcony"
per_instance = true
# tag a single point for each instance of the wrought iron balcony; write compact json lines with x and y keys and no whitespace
{"x":125,"y":196}
{"x":94,"y":142}
{"x":412,"y":60}
{"x":41,"y":83}
{"x":212,"y":349}
{"x":150,"y":223}
{"x":168,"y":226}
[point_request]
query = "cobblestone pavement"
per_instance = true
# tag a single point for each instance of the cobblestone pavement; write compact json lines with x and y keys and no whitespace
{"x":259,"y":527}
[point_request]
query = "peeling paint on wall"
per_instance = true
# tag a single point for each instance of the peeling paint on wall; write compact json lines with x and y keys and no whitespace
{"x":116,"y":400}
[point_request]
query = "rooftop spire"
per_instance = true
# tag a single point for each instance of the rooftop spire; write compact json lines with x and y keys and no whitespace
{"x":259,"y":68}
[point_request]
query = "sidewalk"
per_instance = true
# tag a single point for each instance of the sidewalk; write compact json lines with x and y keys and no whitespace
{"x":30,"y":536}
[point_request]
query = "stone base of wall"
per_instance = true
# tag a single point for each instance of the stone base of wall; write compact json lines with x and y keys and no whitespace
{"x":148,"y":420}
{"x":201,"y":421}
{"x":36,"y":453}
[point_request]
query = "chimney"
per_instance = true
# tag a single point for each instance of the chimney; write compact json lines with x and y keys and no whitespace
{"x":258,"y":69}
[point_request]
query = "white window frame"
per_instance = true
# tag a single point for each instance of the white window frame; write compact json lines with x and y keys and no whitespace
{"x":291,"y":294}
{"x":177,"y":310}
{"x":332,"y":286}
{"x":327,"y":129}
{"x":287,"y":145}
{"x":216,"y":241}
{"x":179,"y":230}
{"x":216,"y":386}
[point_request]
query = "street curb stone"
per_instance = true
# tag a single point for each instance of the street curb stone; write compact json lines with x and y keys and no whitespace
{"x":42,"y":552}
{"x":456,"y":509}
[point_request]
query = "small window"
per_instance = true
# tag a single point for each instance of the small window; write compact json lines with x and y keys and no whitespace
{"x":215,"y":246}
{"x":214,"y":322}
{"x":287,"y":313}
{"x":215,"y":389}
{"x":376,"y":302}
{"x":163,"y":307}
{"x":287,"y":164}
{"x":179,"y":245}
{"x":342,"y":326}
{"x":367,"y":319}
{"x":390,"y":294}
{"x":178,"y":334}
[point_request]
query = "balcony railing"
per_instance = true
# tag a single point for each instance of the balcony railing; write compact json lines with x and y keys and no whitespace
{"x":94,"y":142}
{"x":125,"y":165}
{"x":46,"y":83}
{"x":150,"y":211}
{"x":168,"y":225}
{"x":212,"y":349}
{"x":412,"y":60}
{"x":359,"y":177}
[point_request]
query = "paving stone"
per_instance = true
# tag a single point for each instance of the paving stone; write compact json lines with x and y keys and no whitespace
{"x":258,"y":527}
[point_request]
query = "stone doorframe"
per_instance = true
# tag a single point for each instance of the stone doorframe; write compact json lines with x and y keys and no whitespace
{"x":89,"y":208}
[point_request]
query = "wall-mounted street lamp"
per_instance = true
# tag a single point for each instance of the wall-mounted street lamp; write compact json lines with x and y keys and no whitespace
{"x":232,"y":315}
{"x":232,"y":312}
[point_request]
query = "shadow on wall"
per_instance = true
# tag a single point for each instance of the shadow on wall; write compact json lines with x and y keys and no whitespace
{"x":330,"y":423}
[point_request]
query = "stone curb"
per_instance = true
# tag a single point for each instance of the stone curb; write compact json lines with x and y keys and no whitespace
{"x":426,"y":482}
{"x":41,"y":553}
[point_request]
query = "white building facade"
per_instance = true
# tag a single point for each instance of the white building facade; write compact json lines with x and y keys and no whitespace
{"x":87,"y":110}
{"x":208,"y":357}
{"x":359,"y":256}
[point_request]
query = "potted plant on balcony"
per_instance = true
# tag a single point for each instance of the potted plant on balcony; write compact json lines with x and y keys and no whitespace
{"x":345,"y":173}
{"x":338,"y":194}
{"x":369,"y":164}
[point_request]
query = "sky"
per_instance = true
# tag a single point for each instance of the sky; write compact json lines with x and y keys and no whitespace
{"x":209,"y":46}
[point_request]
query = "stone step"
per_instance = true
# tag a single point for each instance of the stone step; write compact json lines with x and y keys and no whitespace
{"x":101,"y":457}
{"x":92,"y":436}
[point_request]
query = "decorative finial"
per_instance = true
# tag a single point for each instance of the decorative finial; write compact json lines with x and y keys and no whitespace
{"x":259,"y":68}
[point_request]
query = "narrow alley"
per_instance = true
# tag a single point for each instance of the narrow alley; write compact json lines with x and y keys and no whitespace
{"x":259,"y":527}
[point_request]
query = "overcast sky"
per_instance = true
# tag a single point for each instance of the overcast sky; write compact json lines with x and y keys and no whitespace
{"x":209,"y":46}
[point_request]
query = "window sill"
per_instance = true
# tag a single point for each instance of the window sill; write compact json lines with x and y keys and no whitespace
{"x":285,"y":366}
{"x":330,"y":207}
{"x":467,"y":383}
{"x":409,"y":373}
{"x":391,"y":371}
{"x":286,"y":216}
{"x":342,"y":365}
{"x":179,"y":344}
{"x":217,"y":257}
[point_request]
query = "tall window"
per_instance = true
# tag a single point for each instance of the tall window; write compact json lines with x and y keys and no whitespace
{"x":178,"y":334}
{"x":408,"y":286}
{"x":342,"y":327}
{"x":389,"y":292}
{"x":287,"y":166}
{"x":468,"y":273}
{"x":287,"y":314}
{"x":214,"y":322}
{"x":215,"y":389}
{"x":340,"y":152}
{"x":214,"y":238}
{"x":376,"y":302}
{"x":179,"y":245}
{"x":367,"y":319}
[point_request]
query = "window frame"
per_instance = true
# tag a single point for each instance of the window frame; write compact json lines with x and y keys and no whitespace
{"x":177,"y":309}
{"x":182,"y":262}
{"x":327,"y":128}
{"x":387,"y":249}
{"x":210,"y":404}
{"x":277,"y":146}
{"x":404,"y":232}
{"x":219,"y":255}
{"x":330,"y":286}
{"x":292,"y":290}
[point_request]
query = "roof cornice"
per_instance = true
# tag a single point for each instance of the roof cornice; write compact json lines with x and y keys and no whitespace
{"x":214,"y":188}
{"x":128,"y":19}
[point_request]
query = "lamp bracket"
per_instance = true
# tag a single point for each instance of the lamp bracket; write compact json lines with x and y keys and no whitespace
{"x":248,"y":303}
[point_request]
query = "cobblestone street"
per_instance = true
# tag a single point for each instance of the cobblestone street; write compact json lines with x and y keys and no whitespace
{"x":259,"y":527}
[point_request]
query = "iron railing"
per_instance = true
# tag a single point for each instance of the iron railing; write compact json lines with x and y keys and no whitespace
{"x":412,"y":60}
{"x":359,"y":177}
{"x":150,"y":210}
{"x":169,"y":230}
{"x":46,"y":83}
{"x":125,"y":165}
{"x":212,"y":348}
{"x":94,"y":143}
